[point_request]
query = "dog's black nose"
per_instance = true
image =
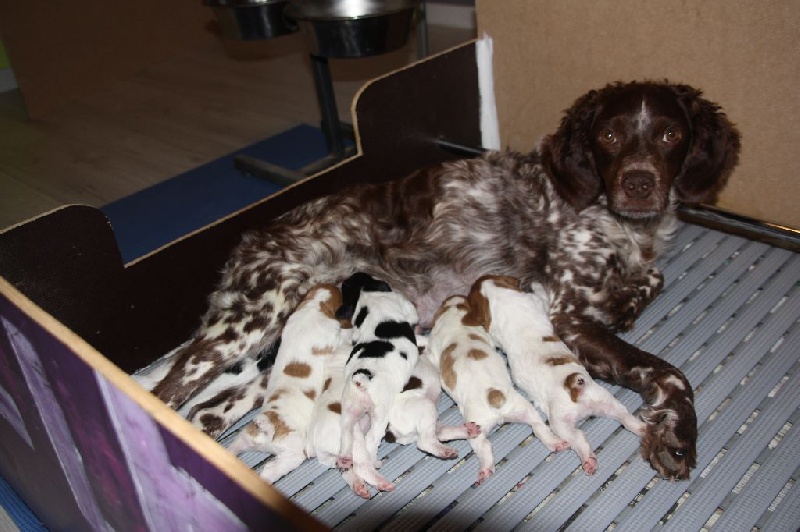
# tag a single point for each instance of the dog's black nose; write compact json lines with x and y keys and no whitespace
{"x":638,"y":185}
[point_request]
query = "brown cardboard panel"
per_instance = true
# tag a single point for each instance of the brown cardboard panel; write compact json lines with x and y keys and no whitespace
{"x":742,"y":54}
{"x":80,"y":434}
{"x":61,"y":51}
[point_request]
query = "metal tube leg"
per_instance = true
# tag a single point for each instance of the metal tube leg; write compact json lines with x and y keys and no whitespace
{"x":327,"y":105}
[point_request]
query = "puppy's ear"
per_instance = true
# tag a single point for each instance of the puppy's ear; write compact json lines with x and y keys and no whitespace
{"x":567,"y":155}
{"x":714,"y":151}
{"x":478,"y":314}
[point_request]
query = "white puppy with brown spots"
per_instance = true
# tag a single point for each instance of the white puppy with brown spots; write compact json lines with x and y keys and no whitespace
{"x":310,"y":337}
{"x":474,"y":374}
{"x":544,"y":367}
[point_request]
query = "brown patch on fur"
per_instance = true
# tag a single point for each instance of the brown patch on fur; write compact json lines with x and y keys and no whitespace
{"x":275,"y":396}
{"x":413,"y":383}
{"x":336,"y":408}
{"x":281,"y":428}
{"x":311,"y":394}
{"x":444,"y":307}
{"x":333,"y":303}
{"x":496,"y":398}
{"x":559,"y":361}
{"x":211,"y":423}
{"x":327,"y":384}
{"x":551,"y":338}
{"x":390,"y":437}
{"x":301,"y":370}
{"x":323,"y":351}
{"x":502,"y":281}
{"x":477,"y":354}
{"x":574,"y":385}
{"x":252,"y":429}
{"x":449,"y":377}
{"x":478,"y":314}
{"x":345,"y":324}
{"x":476,"y":337}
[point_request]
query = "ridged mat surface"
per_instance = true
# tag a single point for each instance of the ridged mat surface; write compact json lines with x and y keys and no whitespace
{"x":729,"y":317}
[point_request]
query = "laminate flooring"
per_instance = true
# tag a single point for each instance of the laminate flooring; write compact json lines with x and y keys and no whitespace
{"x":172,"y":117}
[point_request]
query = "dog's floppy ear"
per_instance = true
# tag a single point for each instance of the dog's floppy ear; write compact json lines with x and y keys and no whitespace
{"x":567,"y":155}
{"x":714,"y":151}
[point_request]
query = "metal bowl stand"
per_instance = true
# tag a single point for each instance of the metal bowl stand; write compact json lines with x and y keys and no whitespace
{"x":336,"y":134}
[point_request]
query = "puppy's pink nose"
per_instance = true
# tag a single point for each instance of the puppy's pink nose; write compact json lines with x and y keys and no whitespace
{"x":638,"y":185}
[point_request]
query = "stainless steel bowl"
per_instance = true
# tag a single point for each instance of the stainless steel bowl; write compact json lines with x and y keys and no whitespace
{"x":251,"y":19}
{"x":353,"y":28}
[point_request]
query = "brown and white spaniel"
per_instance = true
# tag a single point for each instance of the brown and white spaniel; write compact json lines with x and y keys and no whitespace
{"x":587,"y":214}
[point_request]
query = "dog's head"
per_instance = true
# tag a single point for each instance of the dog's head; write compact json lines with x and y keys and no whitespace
{"x":643,"y":144}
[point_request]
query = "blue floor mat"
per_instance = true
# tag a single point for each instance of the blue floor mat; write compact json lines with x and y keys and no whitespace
{"x":153,"y":217}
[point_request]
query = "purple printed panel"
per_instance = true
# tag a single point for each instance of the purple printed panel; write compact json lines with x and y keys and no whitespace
{"x":86,"y":456}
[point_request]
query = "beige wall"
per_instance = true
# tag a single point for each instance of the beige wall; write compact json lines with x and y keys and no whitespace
{"x":61,"y":51}
{"x":744,"y":54}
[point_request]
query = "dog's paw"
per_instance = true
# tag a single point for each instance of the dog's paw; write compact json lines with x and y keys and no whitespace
{"x":473,"y":429}
{"x":669,"y":442}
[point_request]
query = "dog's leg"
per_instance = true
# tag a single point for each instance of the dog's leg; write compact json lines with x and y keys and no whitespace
{"x":238,"y":324}
{"x":483,"y":450}
{"x":457,"y":432}
{"x":670,"y":439}
{"x":628,"y":301}
{"x":215,"y":415}
{"x":523,"y":411}
{"x":355,"y":405}
{"x":426,"y":427}
{"x":286,"y":461}
{"x":364,"y":463}
{"x":565,"y":428}
{"x":261,"y":285}
{"x":606,"y":405}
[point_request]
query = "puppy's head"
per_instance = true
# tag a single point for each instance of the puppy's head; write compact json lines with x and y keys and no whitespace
{"x":639,"y":143}
{"x":327,"y":297}
{"x":351,"y":292}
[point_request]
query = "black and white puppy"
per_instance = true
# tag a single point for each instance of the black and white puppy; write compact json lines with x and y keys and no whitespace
{"x":383,"y":357}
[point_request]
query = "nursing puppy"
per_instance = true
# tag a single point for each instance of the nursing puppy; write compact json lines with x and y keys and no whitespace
{"x":475,"y":376}
{"x":543,"y":366}
{"x":380,"y":364}
{"x":413,"y":418}
{"x":310,"y":337}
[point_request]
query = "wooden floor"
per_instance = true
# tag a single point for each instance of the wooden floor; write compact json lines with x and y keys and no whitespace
{"x":170,"y":118}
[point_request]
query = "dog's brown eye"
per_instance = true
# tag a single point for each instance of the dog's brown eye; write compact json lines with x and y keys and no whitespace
{"x":607,"y":136}
{"x":671,"y":134}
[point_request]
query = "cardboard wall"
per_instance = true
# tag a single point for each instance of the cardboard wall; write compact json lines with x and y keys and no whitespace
{"x":61,"y":51}
{"x":743,"y":54}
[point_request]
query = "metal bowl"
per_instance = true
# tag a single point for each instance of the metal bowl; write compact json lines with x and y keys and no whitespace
{"x":353,"y":28}
{"x":251,"y":19}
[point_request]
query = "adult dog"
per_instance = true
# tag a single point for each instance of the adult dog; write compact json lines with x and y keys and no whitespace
{"x":586,"y":214}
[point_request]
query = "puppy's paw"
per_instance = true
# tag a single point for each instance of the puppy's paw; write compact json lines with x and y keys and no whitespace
{"x":590,"y":465}
{"x":472,"y":429}
{"x":447,"y":453}
{"x":344,"y":462}
{"x":483,"y":474}
{"x":385,"y":485}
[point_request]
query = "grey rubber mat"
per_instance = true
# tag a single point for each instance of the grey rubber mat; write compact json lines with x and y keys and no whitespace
{"x":729,"y":318}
